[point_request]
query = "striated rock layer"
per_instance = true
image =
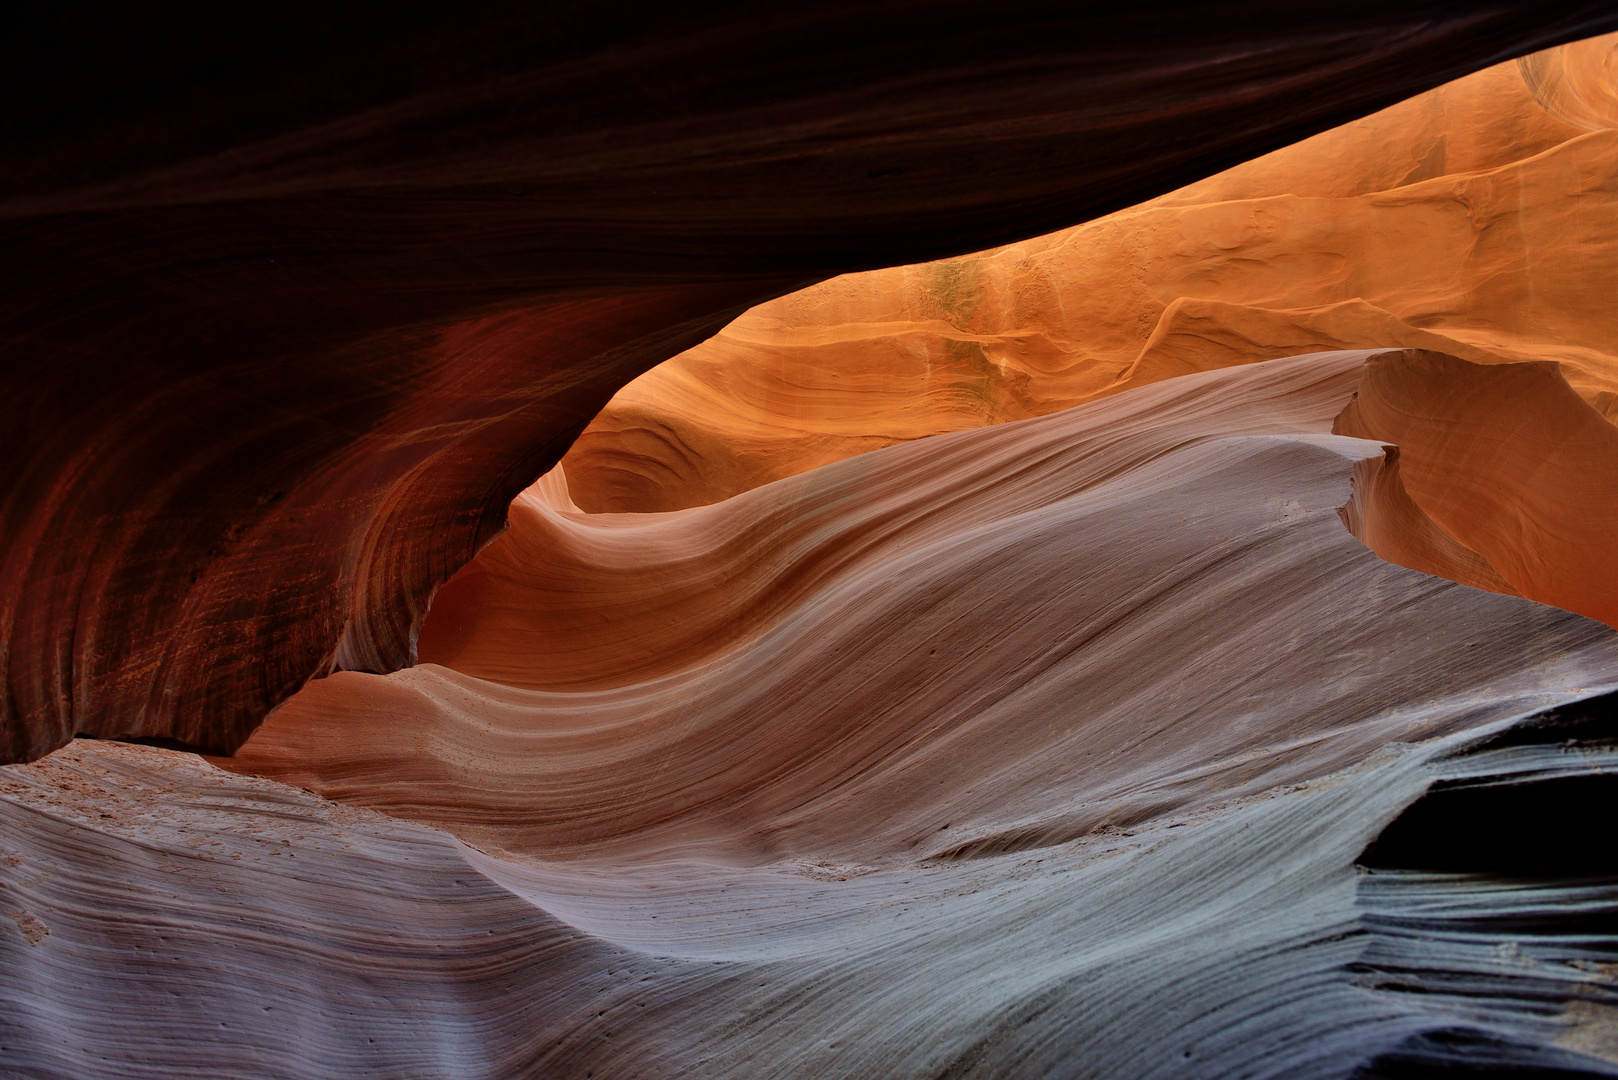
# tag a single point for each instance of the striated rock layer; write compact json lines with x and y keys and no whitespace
{"x":996,"y":638}
{"x":264,"y":932}
{"x":1209,"y":727}
{"x":297,"y":300}
{"x":1477,"y":220}
{"x":1093,"y":745}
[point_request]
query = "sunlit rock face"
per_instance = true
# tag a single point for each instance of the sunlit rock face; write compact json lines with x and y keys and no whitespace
{"x":298,"y":299}
{"x":1213,"y":683}
{"x":1508,"y":460}
{"x":1046,"y":748}
{"x":1479,"y":219}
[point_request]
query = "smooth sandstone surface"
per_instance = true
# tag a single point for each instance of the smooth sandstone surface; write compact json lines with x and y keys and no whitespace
{"x":1508,"y":460}
{"x":1479,"y":219}
{"x":1066,"y":761}
{"x":296,"y":300}
{"x":1212,"y":721}
{"x":978,"y":642}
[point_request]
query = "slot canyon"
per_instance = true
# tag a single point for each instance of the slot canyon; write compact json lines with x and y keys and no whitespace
{"x":885,"y":540}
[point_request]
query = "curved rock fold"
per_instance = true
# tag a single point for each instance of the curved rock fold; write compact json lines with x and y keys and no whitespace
{"x":1184,"y":645}
{"x":297,"y":301}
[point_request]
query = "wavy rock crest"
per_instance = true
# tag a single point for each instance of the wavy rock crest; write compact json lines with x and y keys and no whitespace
{"x":1066,"y":752}
{"x":1067,"y":660}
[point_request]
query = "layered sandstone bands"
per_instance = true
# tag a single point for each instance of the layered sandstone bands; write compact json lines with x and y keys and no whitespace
{"x":1063,"y":661}
{"x":1019,"y":633}
{"x":291,"y":316}
{"x":1062,"y":747}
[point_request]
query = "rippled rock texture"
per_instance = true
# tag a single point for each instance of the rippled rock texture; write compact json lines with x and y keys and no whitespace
{"x":1176,"y":647}
{"x":296,"y":301}
{"x":1060,"y":747}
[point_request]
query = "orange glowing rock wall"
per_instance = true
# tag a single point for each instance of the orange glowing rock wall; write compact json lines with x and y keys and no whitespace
{"x":1509,"y":461}
{"x":1479,"y":220}
{"x":1100,"y":743}
{"x":297,"y":299}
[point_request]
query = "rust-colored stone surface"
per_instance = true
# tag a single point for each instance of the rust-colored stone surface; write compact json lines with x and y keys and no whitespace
{"x":296,"y":299}
{"x":1476,"y":220}
{"x":1508,"y":460}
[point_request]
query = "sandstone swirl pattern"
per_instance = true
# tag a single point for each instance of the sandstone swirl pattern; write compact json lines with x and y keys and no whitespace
{"x":1052,"y":752}
{"x":927,"y":809}
{"x":297,"y":299}
{"x":1170,"y":690}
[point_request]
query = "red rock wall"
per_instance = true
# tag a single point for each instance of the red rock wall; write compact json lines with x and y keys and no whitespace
{"x":295,"y":301}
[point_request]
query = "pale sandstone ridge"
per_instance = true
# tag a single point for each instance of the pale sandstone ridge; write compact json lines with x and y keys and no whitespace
{"x":1073,"y":761}
{"x":990,"y":640}
{"x":566,"y":600}
{"x":1479,"y":220}
{"x":1054,"y":748}
{"x":1518,"y":471}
